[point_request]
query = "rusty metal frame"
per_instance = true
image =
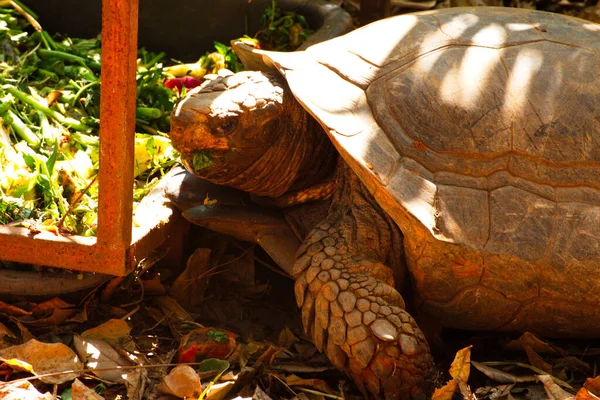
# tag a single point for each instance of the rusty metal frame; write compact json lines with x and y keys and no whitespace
{"x":118,"y":246}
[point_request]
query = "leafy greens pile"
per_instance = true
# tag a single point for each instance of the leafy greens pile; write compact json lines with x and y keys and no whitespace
{"x":49,"y":120}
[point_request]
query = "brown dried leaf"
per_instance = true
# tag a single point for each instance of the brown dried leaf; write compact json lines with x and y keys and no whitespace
{"x":51,"y":304}
{"x":593,"y":385}
{"x":81,"y":392}
{"x":113,"y":331}
{"x":584,"y":394}
{"x":554,"y":391}
{"x":153,"y":286}
{"x":182,"y":381}
{"x":316,"y":384}
{"x":501,"y":376}
{"x":459,"y":370}
{"x":286,"y":338}
{"x":58,"y":316}
{"x":4,"y":331}
{"x":13,"y":311}
{"x":171,"y":308}
{"x":537,"y":344}
{"x":25,"y":334}
{"x":42,"y":358}
{"x":536,"y":360}
{"x":189,"y":287}
{"x":111,"y":287}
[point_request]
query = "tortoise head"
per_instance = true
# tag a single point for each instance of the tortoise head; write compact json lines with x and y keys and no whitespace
{"x":225,"y":128}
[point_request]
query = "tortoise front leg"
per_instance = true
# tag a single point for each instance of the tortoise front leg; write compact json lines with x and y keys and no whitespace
{"x":349,"y":304}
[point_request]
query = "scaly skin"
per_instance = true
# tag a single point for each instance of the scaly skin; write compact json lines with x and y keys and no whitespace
{"x":259,"y":139}
{"x":349,"y":304}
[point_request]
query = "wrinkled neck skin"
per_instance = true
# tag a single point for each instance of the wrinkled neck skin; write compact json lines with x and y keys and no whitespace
{"x":300,"y":156}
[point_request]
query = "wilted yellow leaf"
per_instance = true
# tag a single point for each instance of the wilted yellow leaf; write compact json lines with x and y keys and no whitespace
{"x":101,"y":357}
{"x":189,"y":287}
{"x":42,"y":358}
{"x":114,"y":331}
{"x":459,"y":370}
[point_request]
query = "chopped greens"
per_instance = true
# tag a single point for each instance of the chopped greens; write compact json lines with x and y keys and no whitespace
{"x":49,"y":120}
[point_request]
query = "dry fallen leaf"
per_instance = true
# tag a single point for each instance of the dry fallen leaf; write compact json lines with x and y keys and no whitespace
{"x":81,"y":392}
{"x":529,"y":339}
{"x":459,"y":370}
{"x":316,"y":384}
{"x":11,"y":310}
{"x":536,"y":360}
{"x":100,"y":356}
{"x":501,"y":376}
{"x":593,"y":385}
{"x":42,"y":358}
{"x":21,"y":391}
{"x":554,"y":391}
{"x":189,"y":287}
{"x":114,"y":331}
{"x":51,"y":304}
{"x":584,"y":394}
{"x":182,"y":382}
{"x":171,"y":308}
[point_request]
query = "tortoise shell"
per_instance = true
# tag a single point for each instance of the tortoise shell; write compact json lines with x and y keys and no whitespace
{"x":477,"y":130}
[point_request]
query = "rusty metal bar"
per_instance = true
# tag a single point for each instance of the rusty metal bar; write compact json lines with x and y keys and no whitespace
{"x":117,"y":126}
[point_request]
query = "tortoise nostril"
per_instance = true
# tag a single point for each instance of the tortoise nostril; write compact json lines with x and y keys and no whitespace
{"x":227,"y":126}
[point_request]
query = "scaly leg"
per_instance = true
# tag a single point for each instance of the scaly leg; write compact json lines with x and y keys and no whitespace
{"x":349,"y":304}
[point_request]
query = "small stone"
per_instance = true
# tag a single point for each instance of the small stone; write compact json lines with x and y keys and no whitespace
{"x":312,"y":273}
{"x":329,"y":241}
{"x":369,"y":317}
{"x":357,"y":334}
{"x":353,"y":318}
{"x":315,"y":248}
{"x":375,"y":307}
{"x":347,"y":300}
{"x":335,"y":274}
{"x":330,"y":251}
{"x":344,"y":284}
{"x":363,"y":305}
{"x":327,"y":264}
{"x":363,"y":352}
{"x":331,"y":291}
{"x":317,"y":236}
{"x":323,"y":276}
{"x":408,"y":344}
{"x":384,"y":330}
{"x":318,"y":259}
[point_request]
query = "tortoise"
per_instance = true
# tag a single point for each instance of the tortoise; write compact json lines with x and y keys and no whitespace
{"x":458,"y":145}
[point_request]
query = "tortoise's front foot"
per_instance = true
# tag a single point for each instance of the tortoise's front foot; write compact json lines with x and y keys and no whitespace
{"x":355,"y":315}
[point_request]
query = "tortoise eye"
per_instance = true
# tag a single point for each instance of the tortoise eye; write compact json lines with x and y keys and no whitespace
{"x":228,"y":125}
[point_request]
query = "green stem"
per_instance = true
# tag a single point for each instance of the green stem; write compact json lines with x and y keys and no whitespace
{"x":156,"y":59}
{"x":27,"y":9}
{"x":148,"y":113}
{"x":90,"y":64}
{"x":81,"y":90}
{"x":23,"y":130}
{"x":25,"y":98}
{"x":51,"y":43}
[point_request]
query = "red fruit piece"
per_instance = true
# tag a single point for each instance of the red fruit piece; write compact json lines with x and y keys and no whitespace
{"x":203,"y":343}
